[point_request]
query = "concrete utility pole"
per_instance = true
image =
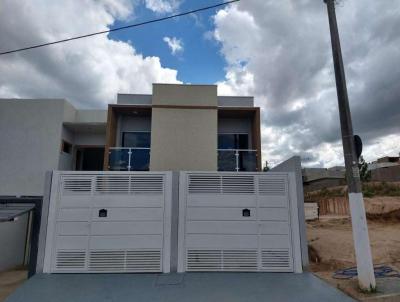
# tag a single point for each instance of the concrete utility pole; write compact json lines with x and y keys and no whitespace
{"x":365,"y":268}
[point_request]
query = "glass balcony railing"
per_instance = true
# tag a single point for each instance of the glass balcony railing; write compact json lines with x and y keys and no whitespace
{"x":129,"y":159}
{"x":237,"y":160}
{"x":138,"y":159}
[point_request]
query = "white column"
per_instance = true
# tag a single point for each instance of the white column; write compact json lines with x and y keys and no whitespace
{"x":365,"y":268}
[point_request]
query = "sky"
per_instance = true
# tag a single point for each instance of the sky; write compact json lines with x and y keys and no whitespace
{"x":277,"y":51}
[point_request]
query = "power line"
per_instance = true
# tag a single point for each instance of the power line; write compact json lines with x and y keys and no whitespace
{"x":122,"y":27}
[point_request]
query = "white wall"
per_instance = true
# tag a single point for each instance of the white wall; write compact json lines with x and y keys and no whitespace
{"x":90,"y":139}
{"x":30,"y":136}
{"x":78,"y":137}
{"x":293,"y":164}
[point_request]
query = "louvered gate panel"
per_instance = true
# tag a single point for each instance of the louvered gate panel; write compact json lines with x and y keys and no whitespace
{"x":109,"y":222}
{"x":236,"y":222}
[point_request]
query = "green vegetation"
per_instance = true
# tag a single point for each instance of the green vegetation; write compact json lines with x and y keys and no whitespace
{"x":381,"y":189}
{"x":371,"y":290}
{"x":365,"y":175}
{"x":266,"y":168}
{"x":325,"y":193}
{"x":370,"y":189}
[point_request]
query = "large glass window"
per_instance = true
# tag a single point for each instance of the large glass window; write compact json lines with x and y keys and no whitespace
{"x":136,"y":139}
{"x":233,"y":141}
{"x":134,"y":154}
{"x":233,"y":154}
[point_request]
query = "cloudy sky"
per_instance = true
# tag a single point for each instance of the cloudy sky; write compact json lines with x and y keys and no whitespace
{"x":277,"y":51}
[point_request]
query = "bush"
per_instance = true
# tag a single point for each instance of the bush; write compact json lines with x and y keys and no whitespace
{"x":369,"y":189}
{"x":381,"y":189}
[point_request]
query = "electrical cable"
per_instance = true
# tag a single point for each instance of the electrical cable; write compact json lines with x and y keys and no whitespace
{"x":122,"y":27}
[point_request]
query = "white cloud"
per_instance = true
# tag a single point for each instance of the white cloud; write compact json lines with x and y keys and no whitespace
{"x":162,"y":6}
{"x":280,"y":52}
{"x":89,"y":72}
{"x":174,"y":44}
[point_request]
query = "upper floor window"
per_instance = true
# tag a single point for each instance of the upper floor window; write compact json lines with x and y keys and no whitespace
{"x":66,"y":147}
{"x":136,"y":139}
{"x":233,"y":141}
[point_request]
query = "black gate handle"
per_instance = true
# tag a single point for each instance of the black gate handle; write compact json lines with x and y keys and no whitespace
{"x":103,"y":213}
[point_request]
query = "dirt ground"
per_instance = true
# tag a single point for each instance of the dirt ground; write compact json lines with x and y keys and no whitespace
{"x":331,"y":242}
{"x":10,"y":280}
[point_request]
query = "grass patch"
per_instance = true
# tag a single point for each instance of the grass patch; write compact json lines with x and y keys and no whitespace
{"x":380,"y":189}
{"x":370,"y":189}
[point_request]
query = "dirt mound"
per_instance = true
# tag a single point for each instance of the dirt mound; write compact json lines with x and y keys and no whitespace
{"x":383,"y":209}
{"x":385,"y":217}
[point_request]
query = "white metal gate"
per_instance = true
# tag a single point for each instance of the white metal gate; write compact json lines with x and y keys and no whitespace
{"x":238,"y":222}
{"x":109,"y":222}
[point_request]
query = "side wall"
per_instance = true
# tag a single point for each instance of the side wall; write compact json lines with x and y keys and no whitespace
{"x":30,"y":136}
{"x":293,"y":164}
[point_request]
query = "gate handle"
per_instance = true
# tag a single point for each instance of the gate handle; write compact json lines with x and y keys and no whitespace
{"x":246,"y":213}
{"x":103,"y":213}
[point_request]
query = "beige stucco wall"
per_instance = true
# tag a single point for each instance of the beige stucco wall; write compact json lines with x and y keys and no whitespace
{"x":184,"y":139}
{"x":184,"y":95}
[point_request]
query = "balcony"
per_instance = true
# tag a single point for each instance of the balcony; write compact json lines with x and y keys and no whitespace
{"x":138,"y":159}
{"x":129,"y":159}
{"x":237,"y":160}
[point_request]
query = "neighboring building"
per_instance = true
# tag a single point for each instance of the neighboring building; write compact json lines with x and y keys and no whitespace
{"x":319,"y":178}
{"x":384,"y":162}
{"x":389,"y":159}
{"x":178,"y":127}
{"x":385,"y":169}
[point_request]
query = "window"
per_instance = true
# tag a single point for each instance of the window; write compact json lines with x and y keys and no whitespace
{"x":89,"y":158}
{"x":66,"y":147}
{"x":233,"y":141}
{"x":136,"y":139}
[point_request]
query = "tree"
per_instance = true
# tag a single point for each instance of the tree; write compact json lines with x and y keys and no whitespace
{"x":266,"y":168}
{"x":365,"y":175}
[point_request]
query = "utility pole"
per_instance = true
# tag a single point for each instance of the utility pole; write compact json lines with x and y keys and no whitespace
{"x":365,"y":268}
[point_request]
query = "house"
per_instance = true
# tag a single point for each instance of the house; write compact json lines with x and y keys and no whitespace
{"x":155,"y":183}
{"x":385,"y":169}
{"x":319,"y":178}
{"x":177,"y":127}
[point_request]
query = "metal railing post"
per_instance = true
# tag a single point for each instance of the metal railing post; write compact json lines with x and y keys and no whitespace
{"x":129,"y":158}
{"x":237,"y":160}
